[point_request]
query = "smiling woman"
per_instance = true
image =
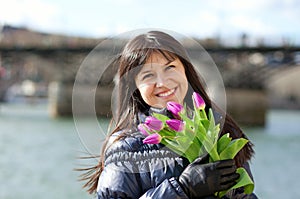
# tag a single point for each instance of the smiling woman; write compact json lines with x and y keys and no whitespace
{"x":162,"y":79}
{"x":154,"y":69}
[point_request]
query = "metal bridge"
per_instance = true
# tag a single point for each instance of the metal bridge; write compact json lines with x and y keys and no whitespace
{"x":247,"y":68}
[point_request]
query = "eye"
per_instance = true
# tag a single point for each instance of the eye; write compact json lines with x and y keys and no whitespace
{"x":148,"y":75}
{"x":170,"y":67}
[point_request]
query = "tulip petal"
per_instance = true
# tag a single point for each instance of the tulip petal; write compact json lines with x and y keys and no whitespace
{"x":153,"y":123}
{"x":142,"y":128}
{"x":174,"y":108}
{"x":199,"y":102}
{"x":176,"y":125}
{"x":152,"y":139}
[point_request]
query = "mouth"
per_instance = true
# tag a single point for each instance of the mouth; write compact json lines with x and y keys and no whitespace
{"x":167,"y":93}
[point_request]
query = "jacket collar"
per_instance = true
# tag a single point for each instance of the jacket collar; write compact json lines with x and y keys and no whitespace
{"x":142,"y":115}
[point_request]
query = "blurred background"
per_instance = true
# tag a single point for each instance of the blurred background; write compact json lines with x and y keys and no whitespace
{"x":255,"y":45}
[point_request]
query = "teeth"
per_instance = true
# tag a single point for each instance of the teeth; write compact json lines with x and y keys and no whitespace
{"x":167,"y":93}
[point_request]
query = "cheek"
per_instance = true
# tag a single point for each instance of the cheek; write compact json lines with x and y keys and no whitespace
{"x":146,"y":91}
{"x":180,"y":77}
{"x":185,"y":83}
{"x":182,"y":80}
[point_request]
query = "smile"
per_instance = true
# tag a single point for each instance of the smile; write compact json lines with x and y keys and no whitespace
{"x":165,"y":94}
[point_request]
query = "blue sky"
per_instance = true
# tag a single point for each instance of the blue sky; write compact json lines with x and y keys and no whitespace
{"x":268,"y":19}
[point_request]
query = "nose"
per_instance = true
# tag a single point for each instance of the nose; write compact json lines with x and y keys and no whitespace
{"x":161,"y":80}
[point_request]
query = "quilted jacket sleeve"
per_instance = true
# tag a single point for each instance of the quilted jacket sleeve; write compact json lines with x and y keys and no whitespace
{"x":127,"y":174}
{"x":169,"y":189}
{"x":126,"y":185}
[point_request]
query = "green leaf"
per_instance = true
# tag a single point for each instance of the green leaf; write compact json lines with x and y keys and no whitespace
{"x":209,"y":146}
{"x":211,"y":119}
{"x":243,"y":181}
{"x":183,"y":141}
{"x":205,"y":123}
{"x":171,"y":144}
{"x":233,"y":148}
{"x":196,"y":116}
{"x":161,"y":117}
{"x":213,"y":127}
{"x":223,"y":142}
{"x":214,"y":133}
{"x":193,"y":151}
{"x":188,"y":123}
{"x":167,"y":132}
{"x":199,"y":128}
{"x":214,"y":153}
{"x":201,"y":133}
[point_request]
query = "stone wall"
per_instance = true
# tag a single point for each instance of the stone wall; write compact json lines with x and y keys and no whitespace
{"x":87,"y":103}
{"x":283,"y":89}
{"x":247,"y":107}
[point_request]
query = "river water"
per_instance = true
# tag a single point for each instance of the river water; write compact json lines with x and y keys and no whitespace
{"x":38,"y":154}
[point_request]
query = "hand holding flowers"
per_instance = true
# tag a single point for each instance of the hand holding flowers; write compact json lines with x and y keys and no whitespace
{"x":194,"y":136}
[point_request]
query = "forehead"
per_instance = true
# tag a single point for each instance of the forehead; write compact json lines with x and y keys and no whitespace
{"x":160,"y":57}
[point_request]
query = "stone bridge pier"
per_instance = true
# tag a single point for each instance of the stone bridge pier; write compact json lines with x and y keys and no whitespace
{"x":79,"y":87}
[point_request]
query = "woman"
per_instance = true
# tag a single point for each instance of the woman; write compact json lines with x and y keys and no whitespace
{"x":154,"y":68}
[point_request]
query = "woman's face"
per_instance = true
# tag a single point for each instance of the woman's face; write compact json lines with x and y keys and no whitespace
{"x":161,"y":81}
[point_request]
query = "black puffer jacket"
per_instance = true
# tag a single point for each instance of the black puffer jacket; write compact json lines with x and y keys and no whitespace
{"x":133,"y":170}
{"x":136,"y":170}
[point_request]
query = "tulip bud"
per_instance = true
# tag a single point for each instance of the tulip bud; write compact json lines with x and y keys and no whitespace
{"x":142,"y":128}
{"x":176,"y":125}
{"x":153,"y":123}
{"x":152,"y":139}
{"x":198,"y":100}
{"x":174,"y":108}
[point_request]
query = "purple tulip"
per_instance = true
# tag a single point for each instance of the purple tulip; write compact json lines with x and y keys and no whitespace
{"x":199,"y":102}
{"x":152,"y":139}
{"x":174,"y":107}
{"x":142,"y":128}
{"x":153,"y":123}
{"x":176,"y":125}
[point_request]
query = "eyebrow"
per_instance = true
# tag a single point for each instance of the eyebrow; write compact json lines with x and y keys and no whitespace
{"x":144,"y":72}
{"x":169,"y":62}
{"x":166,"y":64}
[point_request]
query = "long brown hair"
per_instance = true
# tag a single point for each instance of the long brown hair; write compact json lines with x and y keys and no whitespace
{"x":130,"y":103}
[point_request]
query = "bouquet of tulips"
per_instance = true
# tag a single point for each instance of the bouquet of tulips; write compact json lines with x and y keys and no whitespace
{"x":193,"y":135}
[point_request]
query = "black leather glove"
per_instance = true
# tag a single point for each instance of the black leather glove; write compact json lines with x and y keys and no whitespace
{"x":204,"y":179}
